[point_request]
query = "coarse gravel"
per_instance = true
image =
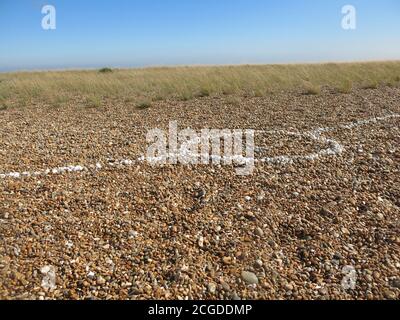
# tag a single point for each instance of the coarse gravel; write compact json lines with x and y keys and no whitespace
{"x":202,"y":232}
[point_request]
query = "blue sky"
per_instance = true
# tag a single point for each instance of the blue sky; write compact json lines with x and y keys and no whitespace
{"x":130,"y":33}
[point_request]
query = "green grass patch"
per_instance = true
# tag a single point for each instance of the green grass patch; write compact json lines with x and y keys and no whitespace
{"x":105,"y":70}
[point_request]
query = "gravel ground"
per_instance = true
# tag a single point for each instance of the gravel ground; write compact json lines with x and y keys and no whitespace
{"x":202,"y":232}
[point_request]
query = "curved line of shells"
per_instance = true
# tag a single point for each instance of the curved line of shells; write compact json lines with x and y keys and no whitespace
{"x":333,"y":148}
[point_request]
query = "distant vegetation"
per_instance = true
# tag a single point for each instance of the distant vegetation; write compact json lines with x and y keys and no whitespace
{"x":105,"y":70}
{"x":186,"y":83}
{"x":144,"y":105}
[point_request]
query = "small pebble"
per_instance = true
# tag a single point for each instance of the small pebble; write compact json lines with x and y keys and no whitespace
{"x":249,"y":277}
{"x":259,"y":232}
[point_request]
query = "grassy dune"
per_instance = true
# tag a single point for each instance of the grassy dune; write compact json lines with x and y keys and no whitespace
{"x":145,"y":85}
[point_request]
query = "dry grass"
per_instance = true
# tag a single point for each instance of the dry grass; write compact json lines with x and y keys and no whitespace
{"x":233,"y":101}
{"x":93,"y":101}
{"x":3,"y":104}
{"x":345,"y":87}
{"x":370,"y":84}
{"x":142,"y":105}
{"x":185,"y":83}
{"x":311,"y":88}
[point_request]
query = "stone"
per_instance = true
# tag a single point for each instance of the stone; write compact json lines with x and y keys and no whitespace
{"x":249,"y":277}
{"x":250,"y":216}
{"x":225,"y":286}
{"x":388,"y":294}
{"x":5,"y":215}
{"x":259,"y":232}
{"x":258,"y":263}
{"x":212,"y":287}
{"x":201,"y":241}
{"x":289,"y":287}
{"x":235,"y":297}
{"x":133,"y":234}
{"x":395,"y":283}
{"x":100,"y":280}
{"x":49,"y":277}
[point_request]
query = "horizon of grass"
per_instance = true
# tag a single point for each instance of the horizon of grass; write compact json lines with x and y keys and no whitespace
{"x":186,"y":83}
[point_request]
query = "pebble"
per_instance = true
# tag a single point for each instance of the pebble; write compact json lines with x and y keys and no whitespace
{"x":388,"y":294}
{"x":258,"y":263}
{"x":227,"y":260}
{"x":225,"y":286}
{"x":5,"y":215}
{"x":289,"y":287}
{"x":69,"y":244}
{"x":380,"y":216}
{"x":369,"y":278}
{"x":235,"y":297}
{"x":133,"y":234}
{"x":212,"y":287}
{"x":259,"y":232}
{"x":395,"y":283}
{"x":249,"y":277}
{"x":45,"y":269}
{"x":345,"y":230}
{"x":250,"y":216}
{"x":185,"y":268}
{"x":49,"y":277}
{"x":201,"y":242}
{"x":100,"y":280}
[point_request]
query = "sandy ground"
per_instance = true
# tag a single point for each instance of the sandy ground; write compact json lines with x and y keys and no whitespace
{"x":306,"y":229}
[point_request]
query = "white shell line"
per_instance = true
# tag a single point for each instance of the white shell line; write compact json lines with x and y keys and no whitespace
{"x":334,"y":148}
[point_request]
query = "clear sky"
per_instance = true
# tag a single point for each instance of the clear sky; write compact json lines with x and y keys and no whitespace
{"x":130,"y":33}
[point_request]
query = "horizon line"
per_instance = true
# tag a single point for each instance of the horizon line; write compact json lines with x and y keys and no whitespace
{"x":171,"y":66}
